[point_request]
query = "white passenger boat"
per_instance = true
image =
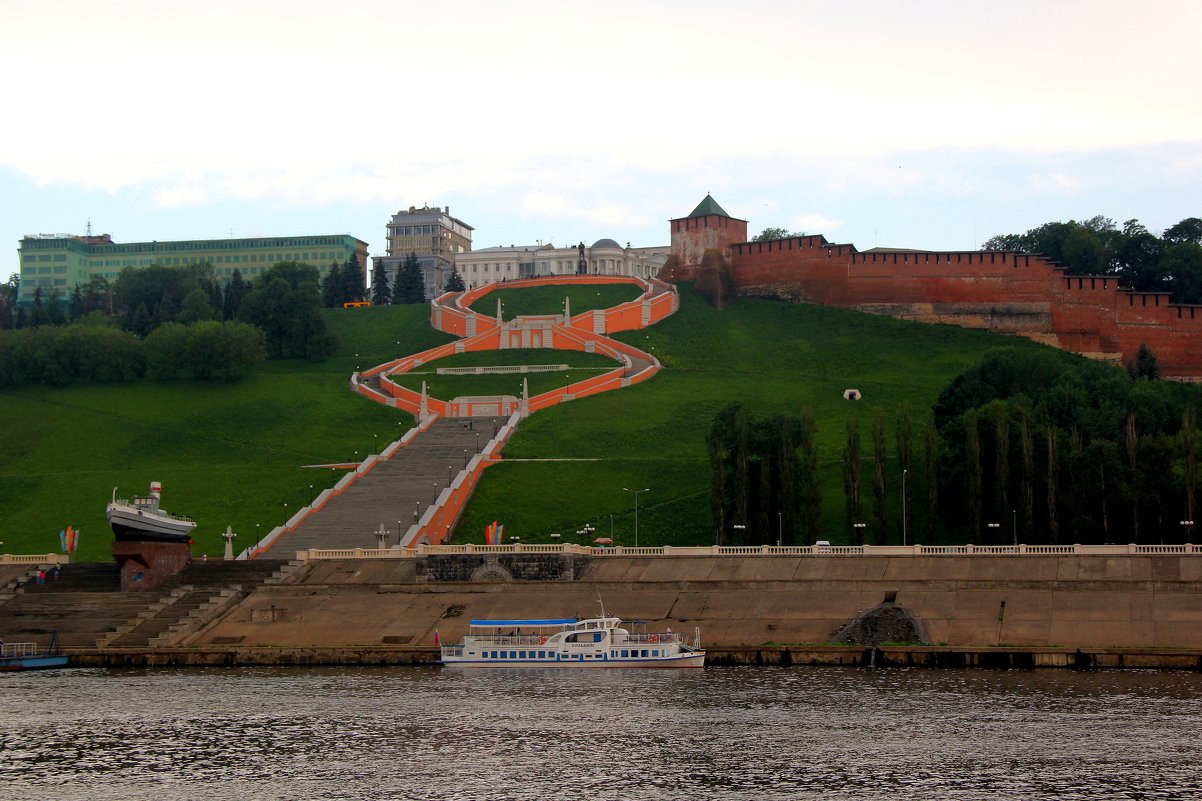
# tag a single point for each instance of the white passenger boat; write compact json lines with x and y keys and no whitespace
{"x":566,"y":642}
{"x":142,"y":520}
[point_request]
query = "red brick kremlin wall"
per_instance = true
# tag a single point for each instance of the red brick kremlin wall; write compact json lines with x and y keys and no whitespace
{"x":1008,"y":292}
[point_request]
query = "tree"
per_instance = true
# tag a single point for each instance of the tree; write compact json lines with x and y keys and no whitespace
{"x":285,"y":305}
{"x":1053,"y":482}
{"x":903,"y":434}
{"x":1144,"y":365}
{"x":1188,"y":230}
{"x":454,"y":283}
{"x":235,"y":292}
{"x":196,"y":307}
{"x":930,"y":464}
{"x":880,"y":496}
{"x":381,"y":295}
{"x":770,"y":234}
{"x":810,"y":490}
{"x":851,"y":481}
{"x":409,"y":286}
{"x":1189,"y":444}
{"x":76,"y":309}
{"x":972,"y":456}
{"x":39,"y":315}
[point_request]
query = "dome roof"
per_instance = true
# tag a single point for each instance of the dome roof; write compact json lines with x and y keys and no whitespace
{"x":606,"y":243}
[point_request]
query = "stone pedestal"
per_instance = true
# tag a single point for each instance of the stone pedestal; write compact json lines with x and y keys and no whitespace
{"x":146,"y":565}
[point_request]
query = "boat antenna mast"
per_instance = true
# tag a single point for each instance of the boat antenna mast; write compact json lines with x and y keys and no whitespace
{"x":601,"y":604}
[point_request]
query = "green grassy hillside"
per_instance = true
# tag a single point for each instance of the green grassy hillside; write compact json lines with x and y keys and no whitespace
{"x":227,"y":454}
{"x":773,"y":356}
{"x":235,"y":454}
{"x":549,"y":299}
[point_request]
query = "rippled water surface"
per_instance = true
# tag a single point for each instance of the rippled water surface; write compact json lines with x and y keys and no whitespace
{"x":731,"y":733}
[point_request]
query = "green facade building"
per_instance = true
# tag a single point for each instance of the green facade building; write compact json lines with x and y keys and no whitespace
{"x":64,"y":261}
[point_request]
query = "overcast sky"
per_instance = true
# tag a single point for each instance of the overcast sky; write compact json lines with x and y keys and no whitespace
{"x":911,"y":124}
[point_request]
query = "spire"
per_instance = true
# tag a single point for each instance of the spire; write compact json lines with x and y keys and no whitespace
{"x":707,"y":207}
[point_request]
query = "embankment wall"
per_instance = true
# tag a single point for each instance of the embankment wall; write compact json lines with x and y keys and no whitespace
{"x":965,"y":602}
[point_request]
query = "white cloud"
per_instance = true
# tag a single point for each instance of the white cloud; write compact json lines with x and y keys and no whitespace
{"x":814,"y":223}
{"x":577,"y":114}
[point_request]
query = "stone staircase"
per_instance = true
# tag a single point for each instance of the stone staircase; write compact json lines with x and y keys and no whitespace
{"x":394,"y":493}
{"x":87,"y":609}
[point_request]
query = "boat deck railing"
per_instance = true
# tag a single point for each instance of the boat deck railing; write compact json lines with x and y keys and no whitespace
{"x":509,"y":639}
{"x":15,"y":650}
{"x":137,"y":503}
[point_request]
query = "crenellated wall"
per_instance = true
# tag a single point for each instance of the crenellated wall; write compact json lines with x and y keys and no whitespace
{"x":1015,"y":293}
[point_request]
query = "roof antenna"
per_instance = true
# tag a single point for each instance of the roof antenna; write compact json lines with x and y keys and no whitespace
{"x":89,"y":233}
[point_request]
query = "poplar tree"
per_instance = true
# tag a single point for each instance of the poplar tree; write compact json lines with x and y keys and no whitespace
{"x":1189,"y":442}
{"x":972,"y":455}
{"x":879,"y":487}
{"x":931,"y":469}
{"x":1053,"y":487}
{"x":811,"y":493}
{"x":1001,"y":473}
{"x":903,"y":434}
{"x":1133,"y":463}
{"x":1027,"y":479}
{"x":851,"y":481}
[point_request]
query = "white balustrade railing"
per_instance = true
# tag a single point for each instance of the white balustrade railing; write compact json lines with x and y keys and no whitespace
{"x":758,"y":550}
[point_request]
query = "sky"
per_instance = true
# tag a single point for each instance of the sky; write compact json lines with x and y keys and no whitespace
{"x":930,"y":125}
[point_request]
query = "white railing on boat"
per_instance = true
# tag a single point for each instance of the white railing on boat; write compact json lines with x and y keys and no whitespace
{"x":16,"y":650}
{"x":758,"y":550}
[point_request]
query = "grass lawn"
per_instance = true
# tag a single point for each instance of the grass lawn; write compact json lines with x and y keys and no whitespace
{"x":227,"y":454}
{"x":234,"y":454}
{"x":446,"y":387}
{"x":772,"y":356}
{"x":549,"y":299}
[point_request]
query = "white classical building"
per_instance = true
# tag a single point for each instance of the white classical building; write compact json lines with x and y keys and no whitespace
{"x":605,"y":257}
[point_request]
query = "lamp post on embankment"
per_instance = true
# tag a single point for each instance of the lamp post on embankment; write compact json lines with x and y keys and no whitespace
{"x":636,"y":512}
{"x":904,"y":473}
{"x":1188,"y":525}
{"x":993,"y":529}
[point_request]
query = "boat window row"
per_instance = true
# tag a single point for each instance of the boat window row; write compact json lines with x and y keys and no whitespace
{"x":617,"y":653}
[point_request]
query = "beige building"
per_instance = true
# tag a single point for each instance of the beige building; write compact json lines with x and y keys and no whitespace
{"x":431,"y":234}
{"x":605,"y":257}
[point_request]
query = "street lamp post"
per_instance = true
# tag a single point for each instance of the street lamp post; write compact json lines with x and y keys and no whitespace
{"x":1015,"y":513}
{"x":904,"y":472}
{"x":285,"y":514}
{"x":994,"y":526}
{"x":737,"y":527}
{"x":780,"y":528}
{"x":1188,"y":525}
{"x":465,"y":458}
{"x":584,"y":532}
{"x":636,"y":511}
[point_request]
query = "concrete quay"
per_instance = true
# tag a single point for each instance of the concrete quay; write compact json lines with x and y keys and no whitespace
{"x":1019,"y":612}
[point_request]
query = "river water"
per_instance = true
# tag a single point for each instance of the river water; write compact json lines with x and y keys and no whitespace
{"x":718,"y":733}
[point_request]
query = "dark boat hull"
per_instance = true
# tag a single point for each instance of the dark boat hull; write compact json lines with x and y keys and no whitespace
{"x":130,"y":525}
{"x":124,"y":533}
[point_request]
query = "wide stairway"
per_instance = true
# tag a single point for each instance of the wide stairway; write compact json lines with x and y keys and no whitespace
{"x":395,"y":493}
{"x":87,"y":609}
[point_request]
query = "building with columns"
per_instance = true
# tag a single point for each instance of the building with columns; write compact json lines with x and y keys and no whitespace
{"x":604,"y":257}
